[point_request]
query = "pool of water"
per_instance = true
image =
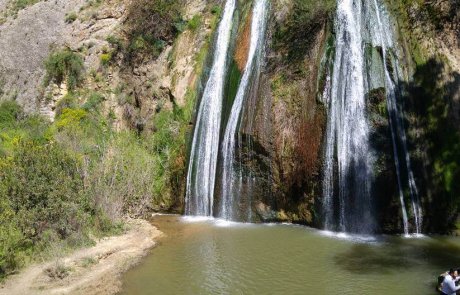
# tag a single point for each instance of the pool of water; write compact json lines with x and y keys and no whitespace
{"x":217,"y":257}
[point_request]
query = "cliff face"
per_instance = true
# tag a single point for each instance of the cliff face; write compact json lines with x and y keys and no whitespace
{"x":24,"y":45}
{"x":147,"y":69}
{"x":284,"y":135}
{"x":430,"y":33}
{"x":95,"y":30}
{"x":142,"y":74}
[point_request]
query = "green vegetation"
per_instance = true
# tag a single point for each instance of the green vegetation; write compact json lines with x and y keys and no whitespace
{"x":438,"y":137}
{"x":71,"y":17}
{"x":306,"y":18}
{"x":64,"y":65}
{"x":62,"y":182}
{"x":17,"y":5}
{"x":194,"y":23}
{"x":152,"y":25}
{"x":106,"y":58}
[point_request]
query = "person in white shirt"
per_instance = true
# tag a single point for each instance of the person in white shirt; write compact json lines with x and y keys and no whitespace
{"x":448,"y":285}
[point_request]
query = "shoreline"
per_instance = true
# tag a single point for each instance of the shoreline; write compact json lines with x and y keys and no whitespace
{"x":94,"y":270}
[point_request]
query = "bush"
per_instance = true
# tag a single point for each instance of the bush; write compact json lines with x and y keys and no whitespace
{"x":64,"y":65}
{"x":44,"y":188}
{"x":93,"y":102}
{"x":11,"y":238}
{"x":105,"y":58}
{"x":40,"y":191}
{"x":17,"y":5}
{"x":15,"y":126}
{"x":71,"y":17}
{"x":152,"y":24}
{"x":194,"y":23}
{"x":67,"y":102}
{"x":122,"y":180}
{"x":305,"y":20}
{"x":10,"y":112}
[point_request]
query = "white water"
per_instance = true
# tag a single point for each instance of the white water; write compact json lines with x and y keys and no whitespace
{"x":384,"y":37}
{"x":347,"y":128}
{"x":231,"y":179}
{"x":358,"y":23}
{"x":203,"y":157}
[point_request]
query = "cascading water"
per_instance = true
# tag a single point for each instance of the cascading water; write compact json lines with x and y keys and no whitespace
{"x":232,"y":179}
{"x":360,"y":23}
{"x":205,"y":145}
{"x":347,"y":130}
{"x":383,"y":37}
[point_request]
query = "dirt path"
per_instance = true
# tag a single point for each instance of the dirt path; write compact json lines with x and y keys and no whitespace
{"x":95,"y":270}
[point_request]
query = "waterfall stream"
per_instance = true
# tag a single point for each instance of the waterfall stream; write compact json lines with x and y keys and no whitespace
{"x":205,"y":145}
{"x":231,"y":178}
{"x":384,"y":38}
{"x":347,"y":129}
{"x":361,"y":23}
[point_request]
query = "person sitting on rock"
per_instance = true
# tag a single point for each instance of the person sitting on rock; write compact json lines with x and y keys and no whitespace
{"x":448,"y":285}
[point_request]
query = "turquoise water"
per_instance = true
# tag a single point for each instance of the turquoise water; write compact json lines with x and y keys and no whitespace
{"x":216,"y":257}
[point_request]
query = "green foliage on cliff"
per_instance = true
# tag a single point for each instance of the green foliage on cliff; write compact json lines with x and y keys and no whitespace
{"x":151,"y":25}
{"x":437,"y":139}
{"x":64,"y":65}
{"x":16,"y":5}
{"x":64,"y":181}
{"x":305,"y":19}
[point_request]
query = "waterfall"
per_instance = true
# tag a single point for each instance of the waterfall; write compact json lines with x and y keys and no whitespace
{"x":348,"y":158}
{"x":205,"y":145}
{"x":231,"y":179}
{"x":384,"y":38}
{"x":347,"y":128}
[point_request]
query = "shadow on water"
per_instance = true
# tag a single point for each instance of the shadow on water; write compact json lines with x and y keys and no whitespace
{"x":398,"y":254}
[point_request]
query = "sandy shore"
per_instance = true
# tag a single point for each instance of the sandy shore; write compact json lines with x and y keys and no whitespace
{"x":95,"y":270}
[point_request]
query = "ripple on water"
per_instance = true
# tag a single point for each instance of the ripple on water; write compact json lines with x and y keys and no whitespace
{"x":214,"y":256}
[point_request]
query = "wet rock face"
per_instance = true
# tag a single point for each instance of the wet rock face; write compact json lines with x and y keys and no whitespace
{"x":385,"y":190}
{"x":285,"y":130}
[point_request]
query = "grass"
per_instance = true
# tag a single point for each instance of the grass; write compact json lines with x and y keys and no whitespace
{"x":88,"y":261}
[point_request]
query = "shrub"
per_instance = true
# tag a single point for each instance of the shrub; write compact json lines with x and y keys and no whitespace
{"x":40,"y":193}
{"x":216,"y":9}
{"x":71,"y":17}
{"x":17,"y":5}
{"x":105,"y":58}
{"x":11,"y":238}
{"x":16,"y":126}
{"x":10,"y":112}
{"x":194,"y":23}
{"x":67,"y":102}
{"x":304,"y":21}
{"x":115,"y":42}
{"x":64,"y":65}
{"x":70,"y":118}
{"x":151,"y":25}
{"x":93,"y":102}
{"x":122,"y":179}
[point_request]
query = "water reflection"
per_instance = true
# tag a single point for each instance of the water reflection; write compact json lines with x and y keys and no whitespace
{"x":206,"y":258}
{"x":395,"y":254}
